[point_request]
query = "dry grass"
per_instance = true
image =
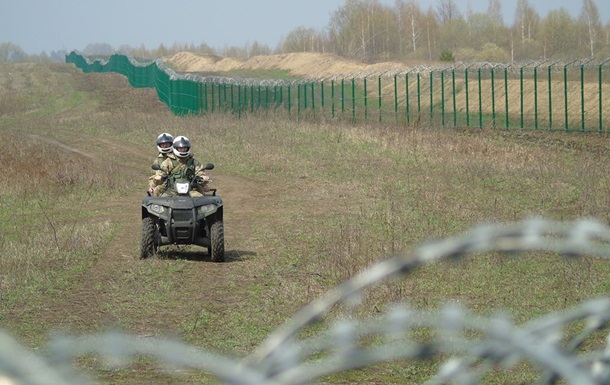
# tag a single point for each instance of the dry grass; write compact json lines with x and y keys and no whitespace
{"x":48,"y":166}
{"x":46,"y":187}
{"x":353,"y":195}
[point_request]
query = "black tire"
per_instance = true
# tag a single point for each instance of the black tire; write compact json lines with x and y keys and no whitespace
{"x":148,"y":248}
{"x":217,"y":240}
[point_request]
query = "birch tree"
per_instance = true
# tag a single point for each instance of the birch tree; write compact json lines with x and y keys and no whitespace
{"x":591,"y":25}
{"x":410,"y":23}
{"x":526,"y":20}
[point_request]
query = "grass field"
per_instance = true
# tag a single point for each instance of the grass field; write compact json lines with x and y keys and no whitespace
{"x":306,"y":207}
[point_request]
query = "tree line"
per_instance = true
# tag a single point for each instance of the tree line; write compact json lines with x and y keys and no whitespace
{"x":369,"y":31}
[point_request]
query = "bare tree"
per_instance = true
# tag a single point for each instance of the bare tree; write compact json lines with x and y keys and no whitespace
{"x":526,"y":20}
{"x":10,"y":52}
{"x":590,"y":23}
{"x":347,"y":28}
{"x":303,"y":39}
{"x":559,"y":34}
{"x":410,"y":23}
{"x":431,"y":32}
{"x":447,"y":10}
{"x":494,"y":10}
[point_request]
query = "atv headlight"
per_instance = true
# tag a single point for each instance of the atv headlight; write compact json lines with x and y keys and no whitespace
{"x":157,"y":208}
{"x":207,"y":209}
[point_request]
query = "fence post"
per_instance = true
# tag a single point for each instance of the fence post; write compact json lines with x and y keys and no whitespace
{"x":258,"y":97}
{"x":219,"y":96}
{"x":289,"y":100}
{"x":332,"y":97}
{"x":454,"y":97}
{"x":322,"y":93}
{"x":366,"y":110}
{"x":443,"y":97}
{"x":506,"y":96}
{"x":493,"y":97}
{"x":205,"y":96}
{"x":467,"y":101}
{"x":582,"y":94}
{"x":407,"y":109}
{"x":418,"y":93}
{"x":521,"y":93}
{"x":224,"y":90}
{"x":431,"y":95}
{"x":549,"y":72}
{"x":239,"y":100}
{"x":252,"y":98}
{"x":353,"y":100}
{"x":379,"y":93}
{"x":536,"y":96}
{"x":298,"y":101}
{"x":565,"y":92}
{"x":212,"y":102}
{"x":480,"y":98}
{"x":342,"y":96}
{"x":582,"y":97}
{"x":396,"y":97}
{"x":313,"y":96}
{"x":600,"y":94}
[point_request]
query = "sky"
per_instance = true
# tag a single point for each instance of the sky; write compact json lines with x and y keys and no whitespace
{"x":53,"y":25}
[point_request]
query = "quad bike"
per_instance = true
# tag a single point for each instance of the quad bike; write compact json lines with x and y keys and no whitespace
{"x":183,"y":219}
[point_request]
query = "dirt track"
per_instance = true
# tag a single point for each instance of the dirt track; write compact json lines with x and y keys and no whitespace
{"x":96,"y":299}
{"x":159,"y":296}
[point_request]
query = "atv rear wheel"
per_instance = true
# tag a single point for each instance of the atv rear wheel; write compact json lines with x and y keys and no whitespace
{"x":217,"y":240}
{"x":149,"y":238}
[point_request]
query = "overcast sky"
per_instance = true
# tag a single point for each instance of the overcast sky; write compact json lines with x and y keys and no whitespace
{"x":51,"y":25}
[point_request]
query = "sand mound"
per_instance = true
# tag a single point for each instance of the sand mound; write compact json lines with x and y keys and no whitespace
{"x":188,"y":62}
{"x":305,"y":64}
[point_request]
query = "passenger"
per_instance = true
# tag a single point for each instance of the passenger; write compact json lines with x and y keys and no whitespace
{"x":164,"y":146}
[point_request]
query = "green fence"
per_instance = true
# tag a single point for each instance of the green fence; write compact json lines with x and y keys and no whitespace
{"x":542,"y":95}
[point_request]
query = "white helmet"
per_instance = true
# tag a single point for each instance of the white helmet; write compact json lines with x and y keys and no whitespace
{"x":182,"y":142}
{"x":164,"y":138}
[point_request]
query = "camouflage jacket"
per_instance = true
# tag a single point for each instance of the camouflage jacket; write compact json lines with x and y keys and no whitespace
{"x":182,"y":168}
{"x":161,"y":157}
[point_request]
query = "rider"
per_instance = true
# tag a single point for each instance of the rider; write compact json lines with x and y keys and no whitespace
{"x":184,"y":165}
{"x":164,"y":146}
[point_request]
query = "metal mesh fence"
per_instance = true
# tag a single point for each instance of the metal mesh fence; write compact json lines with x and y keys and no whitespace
{"x":542,"y":95}
{"x":539,"y":95}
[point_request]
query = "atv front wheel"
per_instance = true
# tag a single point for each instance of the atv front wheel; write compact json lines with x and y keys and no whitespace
{"x":217,"y":240}
{"x":149,"y":238}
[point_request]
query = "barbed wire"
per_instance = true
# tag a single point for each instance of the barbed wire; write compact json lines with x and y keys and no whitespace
{"x":470,"y":345}
{"x":514,"y":68}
